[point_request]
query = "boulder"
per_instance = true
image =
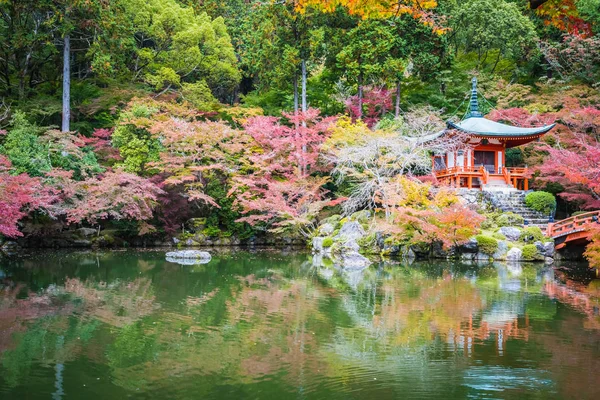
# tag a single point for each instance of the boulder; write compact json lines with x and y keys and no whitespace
{"x":469,"y":247}
{"x":362,"y":216}
{"x":326,"y":229}
{"x":500,"y":253}
{"x":513,"y":234}
{"x":514,"y":254}
{"x":187,"y":261}
{"x":408,"y":253}
{"x":189,"y":255}
{"x":438,"y":251}
{"x":86,"y":232}
{"x":545,"y":249}
{"x":317,"y":245}
{"x":351,"y":230}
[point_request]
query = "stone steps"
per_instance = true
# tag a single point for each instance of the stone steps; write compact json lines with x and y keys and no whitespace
{"x":514,"y":201}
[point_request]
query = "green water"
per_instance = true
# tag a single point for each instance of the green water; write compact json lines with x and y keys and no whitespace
{"x":273,"y":325}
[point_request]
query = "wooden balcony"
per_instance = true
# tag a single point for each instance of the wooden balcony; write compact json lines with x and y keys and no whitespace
{"x":478,"y":176}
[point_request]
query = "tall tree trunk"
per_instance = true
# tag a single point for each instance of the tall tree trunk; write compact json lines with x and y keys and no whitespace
{"x":304,"y":102}
{"x":304,"y":108}
{"x":66,"y":96}
{"x":398,"y":93}
{"x":296,"y":101}
{"x":360,"y":95}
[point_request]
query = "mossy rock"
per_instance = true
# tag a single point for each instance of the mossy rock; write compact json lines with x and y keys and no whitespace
{"x":333,"y":220}
{"x":532,"y":234}
{"x":498,"y":236}
{"x":509,"y":219}
{"x":362,"y":216}
{"x":196,"y":224}
{"x":487,"y":244}
{"x":327,"y":242}
{"x":530,"y":252}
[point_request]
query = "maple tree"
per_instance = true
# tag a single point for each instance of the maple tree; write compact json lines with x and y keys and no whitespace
{"x":562,"y":14}
{"x":376,"y":8}
{"x":592,"y":250}
{"x":280,"y":191}
{"x":19,"y":195}
{"x":114,"y":195}
{"x":194,"y":149}
{"x":577,"y":169}
{"x":376,"y":101}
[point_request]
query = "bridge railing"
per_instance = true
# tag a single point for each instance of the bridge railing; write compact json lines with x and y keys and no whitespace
{"x":573,"y":224}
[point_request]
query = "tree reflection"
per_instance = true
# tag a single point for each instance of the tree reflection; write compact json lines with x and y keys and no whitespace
{"x":280,"y":316}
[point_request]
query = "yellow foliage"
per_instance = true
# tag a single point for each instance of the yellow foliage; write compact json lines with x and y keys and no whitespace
{"x":347,"y":133}
{"x":413,"y":193}
{"x":242,"y":114}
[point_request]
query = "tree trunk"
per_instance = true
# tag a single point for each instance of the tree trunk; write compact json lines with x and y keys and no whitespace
{"x":304,"y":108}
{"x":398,"y":93}
{"x":296,"y":102}
{"x":66,"y":98}
{"x":304,"y":103}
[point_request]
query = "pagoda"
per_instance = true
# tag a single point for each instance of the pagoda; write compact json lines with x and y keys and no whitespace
{"x":483,"y":164}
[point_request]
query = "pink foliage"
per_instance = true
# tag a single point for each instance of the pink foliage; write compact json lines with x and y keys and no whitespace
{"x":376,"y":103}
{"x":115,"y":195}
{"x":101,"y":143}
{"x":289,"y":149}
{"x":280,"y":190}
{"x":577,"y":169}
{"x":278,"y":202}
{"x":19,"y":195}
{"x":521,"y":117}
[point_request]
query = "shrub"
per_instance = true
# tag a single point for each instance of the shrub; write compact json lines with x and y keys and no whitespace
{"x":532,"y":234}
{"x":487,"y":244}
{"x":543,"y":202}
{"x":509,"y":219}
{"x":530,"y":252}
{"x":327,"y":242}
{"x":211,"y":231}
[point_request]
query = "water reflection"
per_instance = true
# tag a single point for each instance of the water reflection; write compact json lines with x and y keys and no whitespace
{"x":258,"y":325}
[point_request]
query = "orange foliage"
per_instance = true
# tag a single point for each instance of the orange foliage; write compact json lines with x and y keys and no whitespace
{"x":418,"y":9}
{"x":563,"y":14}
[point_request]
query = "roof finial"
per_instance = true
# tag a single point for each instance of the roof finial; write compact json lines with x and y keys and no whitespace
{"x":474,"y":104}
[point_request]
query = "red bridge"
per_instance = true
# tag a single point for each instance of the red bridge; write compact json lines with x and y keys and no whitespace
{"x":574,"y":230}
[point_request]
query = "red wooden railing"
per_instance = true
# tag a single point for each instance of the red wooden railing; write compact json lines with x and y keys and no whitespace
{"x":485,"y":175}
{"x":506,"y":175}
{"x":578,"y":223}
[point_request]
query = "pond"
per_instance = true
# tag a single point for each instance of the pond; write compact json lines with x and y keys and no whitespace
{"x":276,"y":325}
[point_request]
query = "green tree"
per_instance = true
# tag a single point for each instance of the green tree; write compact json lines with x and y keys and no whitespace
{"x":492,"y":30}
{"x":174,"y":44}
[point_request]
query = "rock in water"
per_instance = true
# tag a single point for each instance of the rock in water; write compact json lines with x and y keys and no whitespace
{"x":514,"y":254}
{"x":189,"y":255}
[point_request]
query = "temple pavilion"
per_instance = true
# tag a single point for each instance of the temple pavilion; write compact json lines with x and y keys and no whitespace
{"x":483,"y":164}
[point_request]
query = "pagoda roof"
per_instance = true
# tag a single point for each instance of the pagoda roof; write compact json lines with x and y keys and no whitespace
{"x":477,"y":125}
{"x":483,"y":127}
